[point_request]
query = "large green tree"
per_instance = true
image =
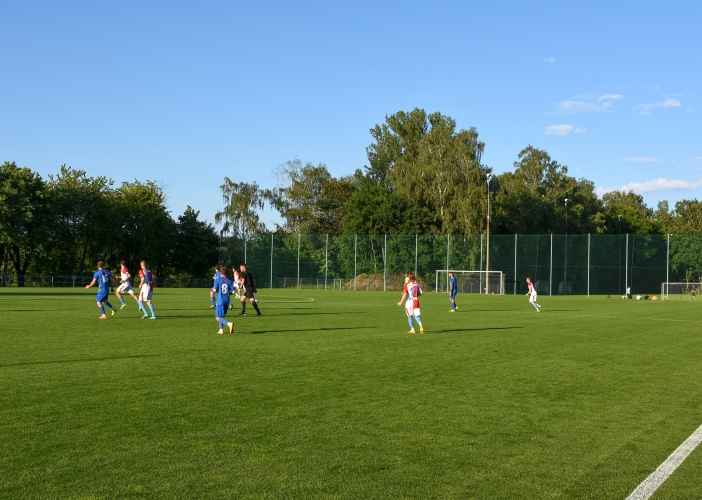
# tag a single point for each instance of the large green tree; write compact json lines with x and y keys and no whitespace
{"x":25,"y":219}
{"x":309,"y":199}
{"x":82,"y":220}
{"x":427,"y":161}
{"x":242,"y":202}
{"x":531,"y":199}
{"x":195,"y":246}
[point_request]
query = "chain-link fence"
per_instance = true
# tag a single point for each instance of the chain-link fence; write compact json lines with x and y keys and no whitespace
{"x":557,"y":264}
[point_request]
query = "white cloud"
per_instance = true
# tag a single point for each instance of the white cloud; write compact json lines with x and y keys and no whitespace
{"x":561,"y":129}
{"x":610,"y":97}
{"x":580,"y":130}
{"x":654,"y":186}
{"x":642,"y":160}
{"x":645,"y":109}
{"x":550,"y":60}
{"x":588,"y":103}
{"x":698,"y":158}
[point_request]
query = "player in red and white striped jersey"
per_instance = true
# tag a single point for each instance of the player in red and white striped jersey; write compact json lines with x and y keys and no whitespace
{"x":412,"y":291}
{"x":146,"y":289}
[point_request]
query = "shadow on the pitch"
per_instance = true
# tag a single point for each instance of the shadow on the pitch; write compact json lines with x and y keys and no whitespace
{"x":330,"y":329}
{"x":479,"y":329}
{"x":84,"y":360}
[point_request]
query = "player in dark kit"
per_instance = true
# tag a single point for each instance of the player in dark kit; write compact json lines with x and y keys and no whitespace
{"x":249,"y":283}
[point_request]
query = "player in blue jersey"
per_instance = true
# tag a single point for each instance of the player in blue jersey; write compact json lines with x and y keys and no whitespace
{"x":453,"y":290}
{"x":103,"y":278}
{"x":223,"y":287}
{"x":217,"y":274}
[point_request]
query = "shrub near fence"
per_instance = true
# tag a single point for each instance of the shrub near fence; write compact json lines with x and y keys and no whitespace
{"x":558,"y":264}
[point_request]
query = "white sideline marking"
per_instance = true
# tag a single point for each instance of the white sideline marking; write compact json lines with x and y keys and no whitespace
{"x":652,"y":482}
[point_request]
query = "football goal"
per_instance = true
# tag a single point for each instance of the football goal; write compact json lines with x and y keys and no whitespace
{"x":680,"y":291}
{"x":492,"y":282}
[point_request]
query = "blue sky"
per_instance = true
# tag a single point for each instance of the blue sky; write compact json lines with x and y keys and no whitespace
{"x":186,"y":93}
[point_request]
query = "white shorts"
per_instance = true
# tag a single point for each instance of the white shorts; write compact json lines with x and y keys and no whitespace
{"x":145,"y":293}
{"x":125,"y":287}
{"x":410,"y":309}
{"x":532,"y":298}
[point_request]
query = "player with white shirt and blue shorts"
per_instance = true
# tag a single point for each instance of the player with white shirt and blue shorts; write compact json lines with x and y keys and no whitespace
{"x":532,"y":295}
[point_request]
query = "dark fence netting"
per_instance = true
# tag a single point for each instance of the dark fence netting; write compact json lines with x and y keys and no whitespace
{"x":557,"y":264}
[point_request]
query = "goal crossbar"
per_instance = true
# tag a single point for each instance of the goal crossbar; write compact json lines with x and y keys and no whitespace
{"x":492,"y":282}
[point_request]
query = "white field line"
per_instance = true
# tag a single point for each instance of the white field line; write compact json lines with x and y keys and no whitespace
{"x":652,"y":482}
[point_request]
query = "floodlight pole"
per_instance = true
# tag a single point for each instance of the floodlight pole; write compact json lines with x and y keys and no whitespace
{"x":355,"y":252}
{"x":588,"y":264}
{"x":626,"y":265}
{"x":515,"y":264}
{"x":298,"y":261}
{"x":326,"y":262}
{"x":565,"y":267}
{"x":487,"y":248}
{"x":620,"y":255}
{"x":667,"y":268}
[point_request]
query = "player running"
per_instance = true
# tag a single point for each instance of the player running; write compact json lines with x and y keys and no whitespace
{"x":532,"y":293}
{"x":217,"y":274}
{"x":453,"y":290}
{"x":126,"y":287}
{"x":223,"y":287}
{"x":249,"y":284}
{"x":146,"y":290}
{"x":104,"y":280}
{"x":412,"y":292}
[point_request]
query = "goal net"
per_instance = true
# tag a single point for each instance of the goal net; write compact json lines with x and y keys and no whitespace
{"x":680,"y":291}
{"x":492,"y":282}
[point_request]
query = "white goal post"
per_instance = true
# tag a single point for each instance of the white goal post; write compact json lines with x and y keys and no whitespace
{"x":680,"y":290}
{"x":492,"y":282}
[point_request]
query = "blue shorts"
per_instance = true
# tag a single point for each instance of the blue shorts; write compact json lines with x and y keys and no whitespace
{"x":101,"y":296}
{"x":453,"y":295}
{"x":221,"y":311}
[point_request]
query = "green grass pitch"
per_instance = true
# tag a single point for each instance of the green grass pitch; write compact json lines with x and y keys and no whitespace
{"x":328,"y":396}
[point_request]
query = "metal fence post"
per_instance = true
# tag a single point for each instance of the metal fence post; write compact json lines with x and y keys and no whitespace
{"x":416,"y":249}
{"x":550,"y":272}
{"x":480,"y":274}
{"x":385,"y":266}
{"x":298,"y":261}
{"x":245,"y":261}
{"x":326,"y":262}
{"x":271,"y":260}
{"x":515,"y":264}
{"x":588,"y":264}
{"x":355,"y":252}
{"x":626,"y":266}
{"x":448,"y":250}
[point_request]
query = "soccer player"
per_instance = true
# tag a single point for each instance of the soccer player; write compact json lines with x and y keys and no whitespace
{"x":126,"y":287}
{"x":453,"y":290}
{"x":146,"y":290}
{"x":532,"y":295}
{"x":217,"y":274}
{"x":223,"y":287}
{"x":104,"y":280}
{"x":249,"y":285}
{"x":412,"y":292}
{"x":236,"y":285}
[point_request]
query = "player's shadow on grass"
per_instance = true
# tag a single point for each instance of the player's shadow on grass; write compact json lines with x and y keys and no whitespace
{"x":287,"y":330}
{"x":478,"y":329}
{"x":84,"y":360}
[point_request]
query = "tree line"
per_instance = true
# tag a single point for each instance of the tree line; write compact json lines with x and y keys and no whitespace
{"x":425,"y":176}
{"x":64,"y":224}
